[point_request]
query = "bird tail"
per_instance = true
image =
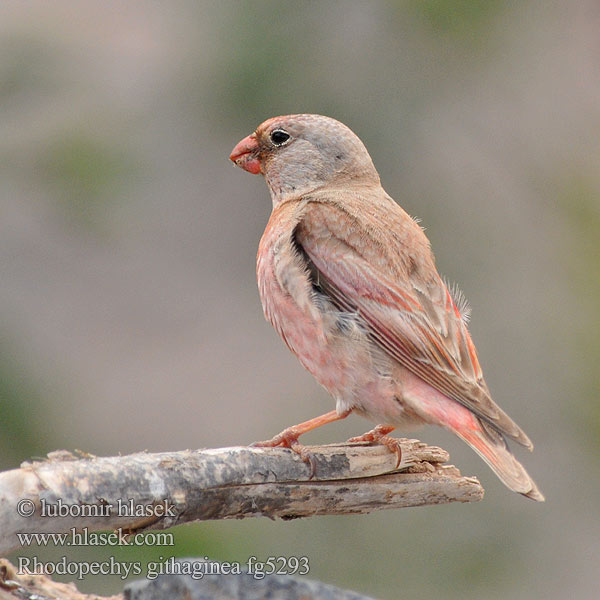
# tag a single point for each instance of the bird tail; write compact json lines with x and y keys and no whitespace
{"x":492,"y":447}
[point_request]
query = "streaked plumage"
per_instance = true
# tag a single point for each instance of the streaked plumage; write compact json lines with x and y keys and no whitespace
{"x":348,"y":280}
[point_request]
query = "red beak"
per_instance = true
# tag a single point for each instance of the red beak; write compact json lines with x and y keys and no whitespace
{"x":245,"y":155}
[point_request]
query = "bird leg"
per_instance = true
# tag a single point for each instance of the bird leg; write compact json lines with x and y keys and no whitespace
{"x":288,"y":438}
{"x":378,"y":435}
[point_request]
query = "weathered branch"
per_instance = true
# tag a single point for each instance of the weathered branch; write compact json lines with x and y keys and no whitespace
{"x":166,"y":489}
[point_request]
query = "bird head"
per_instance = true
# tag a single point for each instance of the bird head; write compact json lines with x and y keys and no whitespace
{"x":298,"y":154}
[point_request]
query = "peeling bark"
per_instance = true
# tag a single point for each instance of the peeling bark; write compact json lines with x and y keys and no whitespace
{"x":170,"y":488}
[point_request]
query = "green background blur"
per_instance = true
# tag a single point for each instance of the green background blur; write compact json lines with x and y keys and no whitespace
{"x":129,"y":315}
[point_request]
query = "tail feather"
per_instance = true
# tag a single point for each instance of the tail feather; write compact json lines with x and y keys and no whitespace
{"x":486,"y":439}
{"x":492,"y":447}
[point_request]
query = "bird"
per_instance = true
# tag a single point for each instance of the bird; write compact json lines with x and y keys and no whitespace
{"x":348,"y":280}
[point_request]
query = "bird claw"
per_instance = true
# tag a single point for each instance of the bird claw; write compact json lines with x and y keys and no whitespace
{"x":288,"y":438}
{"x":378,"y":435}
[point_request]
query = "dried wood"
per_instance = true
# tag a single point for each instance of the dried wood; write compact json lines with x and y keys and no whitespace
{"x":166,"y":489}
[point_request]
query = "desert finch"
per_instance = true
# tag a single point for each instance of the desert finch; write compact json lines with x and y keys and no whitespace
{"x":348,"y":280}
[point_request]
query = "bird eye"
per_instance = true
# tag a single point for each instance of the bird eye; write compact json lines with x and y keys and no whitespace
{"x":279,"y":137}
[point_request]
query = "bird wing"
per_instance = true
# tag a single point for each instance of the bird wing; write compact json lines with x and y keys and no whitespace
{"x":373,"y":259}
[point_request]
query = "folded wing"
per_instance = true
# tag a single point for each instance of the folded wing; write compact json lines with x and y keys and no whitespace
{"x":387,"y":276}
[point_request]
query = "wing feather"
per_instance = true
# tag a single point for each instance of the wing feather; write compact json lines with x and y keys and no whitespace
{"x":387,"y":275}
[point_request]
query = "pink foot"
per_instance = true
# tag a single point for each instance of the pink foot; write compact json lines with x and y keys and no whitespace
{"x":378,"y":435}
{"x":288,"y":438}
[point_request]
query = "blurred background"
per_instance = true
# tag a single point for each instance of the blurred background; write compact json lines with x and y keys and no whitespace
{"x":129,"y":314}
